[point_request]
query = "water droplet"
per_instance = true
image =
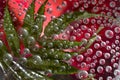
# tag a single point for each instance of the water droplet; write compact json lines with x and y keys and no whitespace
{"x":96,"y":45}
{"x":117,"y":29}
{"x":98,"y":53}
{"x":101,"y":78}
{"x":109,"y":78}
{"x":100,"y":69}
{"x":95,"y":9}
{"x":1,"y":44}
{"x":89,"y":51}
{"x":72,"y":38}
{"x":93,"y":2}
{"x":37,"y":59}
{"x":116,"y":72}
{"x":81,"y":9}
{"x":82,"y":74}
{"x":86,"y":21}
{"x":102,"y":61}
{"x":83,"y":27}
{"x":26,"y":51}
{"x":49,"y":10}
{"x":64,"y":3}
{"x":83,"y":65}
{"x":92,"y":65}
{"x":103,"y":44}
{"x":107,"y":55}
{"x":8,"y":57}
{"x":108,"y":69}
{"x":109,"y":34}
{"x":112,"y":4}
{"x":98,"y":38}
{"x":76,"y":4}
{"x":79,"y":58}
{"x":88,"y":59}
{"x":92,"y":71}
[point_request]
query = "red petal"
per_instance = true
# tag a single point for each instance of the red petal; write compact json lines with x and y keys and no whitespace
{"x":102,"y":58}
{"x":18,"y":10}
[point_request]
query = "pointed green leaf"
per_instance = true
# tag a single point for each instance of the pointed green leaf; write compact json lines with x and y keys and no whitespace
{"x":12,"y":35}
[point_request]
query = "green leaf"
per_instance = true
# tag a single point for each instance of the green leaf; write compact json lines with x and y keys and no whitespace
{"x":59,"y":44}
{"x":12,"y":36}
{"x":39,"y":19}
{"x":29,"y":18}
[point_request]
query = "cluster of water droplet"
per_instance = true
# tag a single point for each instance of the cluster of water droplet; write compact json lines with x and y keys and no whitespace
{"x":102,"y":58}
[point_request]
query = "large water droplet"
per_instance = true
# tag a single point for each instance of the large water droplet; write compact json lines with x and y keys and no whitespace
{"x":82,"y":74}
{"x":79,"y":58}
{"x":109,"y":34}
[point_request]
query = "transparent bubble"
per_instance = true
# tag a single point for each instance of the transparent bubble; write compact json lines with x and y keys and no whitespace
{"x":117,"y":77}
{"x":107,"y":55}
{"x":113,"y":45}
{"x":98,"y":38}
{"x":79,"y":58}
{"x":1,"y":44}
{"x":88,"y":59}
{"x":112,"y":60}
{"x":89,"y":51}
{"x":37,"y":59}
{"x":76,"y":25}
{"x":49,"y":10}
{"x":83,"y":64}
{"x":116,"y":72}
{"x":76,"y":4}
{"x":112,"y":4}
{"x":23,"y":60}
{"x":35,"y":28}
{"x":95,"y":9}
{"x":50,"y":44}
{"x":23,"y":32}
{"x":108,"y":47}
{"x":86,"y":21}
{"x":117,"y":41}
{"x":102,"y":61}
{"x":64,"y":3}
{"x":66,"y":56}
{"x":82,"y":74}
{"x":36,"y":48}
{"x":83,"y":27}
{"x":26,"y":51}
{"x":86,"y":5}
{"x":81,"y":9}
{"x":59,"y":7}
{"x":100,"y":69}
{"x":92,"y":65}
{"x":96,"y":45}
{"x":72,"y":38}
{"x":8,"y":57}
{"x":92,"y":71}
{"x":109,"y":78}
{"x":87,"y":35}
{"x":112,"y":51}
{"x":31,"y":40}
{"x":99,"y":53}
{"x":108,"y":69}
{"x":117,"y":29}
